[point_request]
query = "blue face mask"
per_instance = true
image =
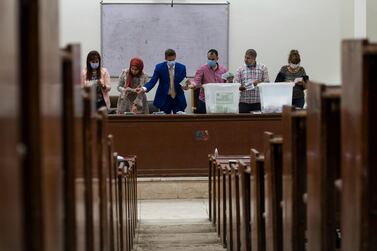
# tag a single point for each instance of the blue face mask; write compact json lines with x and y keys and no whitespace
{"x":212,"y":63}
{"x":94,"y":65}
{"x":171,"y":63}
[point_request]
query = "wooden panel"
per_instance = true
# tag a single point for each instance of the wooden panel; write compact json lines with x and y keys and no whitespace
{"x":257,"y":195}
{"x":273,"y":191}
{"x":294,"y":179}
{"x":41,"y":125}
{"x":103,"y":168}
{"x":245,"y":207}
{"x":70,"y":59}
{"x":323,"y":165}
{"x":359,"y":142}
{"x":166,"y":144}
{"x":11,"y":212}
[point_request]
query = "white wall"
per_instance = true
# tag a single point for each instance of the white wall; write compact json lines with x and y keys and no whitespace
{"x":272,"y":27}
{"x":372,"y":20}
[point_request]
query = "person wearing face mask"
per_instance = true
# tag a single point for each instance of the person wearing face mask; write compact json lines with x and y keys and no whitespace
{"x":95,"y":74}
{"x":293,"y":72}
{"x":129,"y":80}
{"x":208,"y":73}
{"x":169,"y":96}
{"x":249,"y":76}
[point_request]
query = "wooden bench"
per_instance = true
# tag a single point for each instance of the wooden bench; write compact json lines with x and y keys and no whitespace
{"x":323,"y":158}
{"x":212,"y":182}
{"x":238,"y":199}
{"x":257,"y":202}
{"x":220,"y":198}
{"x":359,"y":137}
{"x":294,"y":179}
{"x":72,"y":147}
{"x":244,"y":176}
{"x":273,"y":166}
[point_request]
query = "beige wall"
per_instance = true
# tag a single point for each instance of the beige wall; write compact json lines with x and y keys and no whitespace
{"x":272,"y":27}
{"x":372,"y":20}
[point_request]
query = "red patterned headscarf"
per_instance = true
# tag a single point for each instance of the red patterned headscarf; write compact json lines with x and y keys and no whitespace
{"x":138,"y":63}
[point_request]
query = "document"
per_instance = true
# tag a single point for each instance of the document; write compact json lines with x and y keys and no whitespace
{"x":183,"y":83}
{"x":249,"y":85}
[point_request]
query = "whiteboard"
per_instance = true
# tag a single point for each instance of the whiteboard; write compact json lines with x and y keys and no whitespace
{"x":146,"y":30}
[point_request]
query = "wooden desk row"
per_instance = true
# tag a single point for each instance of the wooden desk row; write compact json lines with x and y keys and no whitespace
{"x":100,"y":186}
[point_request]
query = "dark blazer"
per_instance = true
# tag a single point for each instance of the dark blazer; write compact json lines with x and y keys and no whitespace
{"x":161,"y":74}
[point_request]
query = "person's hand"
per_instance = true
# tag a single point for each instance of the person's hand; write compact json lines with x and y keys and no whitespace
{"x":230,"y":80}
{"x":87,"y":83}
{"x":122,"y":90}
{"x":256,"y":82}
{"x":190,"y":86}
{"x":102,"y":85}
{"x":298,"y":81}
{"x":134,"y":108}
{"x":140,"y":90}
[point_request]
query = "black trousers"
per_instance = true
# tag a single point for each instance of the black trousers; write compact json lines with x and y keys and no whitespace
{"x":247,"y":108}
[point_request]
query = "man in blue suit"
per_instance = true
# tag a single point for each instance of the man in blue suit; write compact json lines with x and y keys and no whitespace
{"x":170,"y":96}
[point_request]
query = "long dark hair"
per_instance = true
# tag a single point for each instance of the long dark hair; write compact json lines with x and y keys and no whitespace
{"x":93,"y":55}
{"x":294,"y":55}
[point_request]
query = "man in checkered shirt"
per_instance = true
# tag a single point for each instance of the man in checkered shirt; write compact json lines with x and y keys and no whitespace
{"x":249,"y":76}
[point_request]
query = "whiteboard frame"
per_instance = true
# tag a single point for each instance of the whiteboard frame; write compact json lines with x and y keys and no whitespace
{"x":102,"y":3}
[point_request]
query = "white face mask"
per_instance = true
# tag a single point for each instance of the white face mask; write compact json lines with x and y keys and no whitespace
{"x":171,"y":63}
{"x":294,"y":66}
{"x":94,"y":65}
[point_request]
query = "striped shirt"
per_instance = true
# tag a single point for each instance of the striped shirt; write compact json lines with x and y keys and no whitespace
{"x":246,"y":74}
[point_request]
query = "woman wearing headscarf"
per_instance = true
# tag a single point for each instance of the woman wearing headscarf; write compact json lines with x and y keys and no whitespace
{"x":129,"y":80}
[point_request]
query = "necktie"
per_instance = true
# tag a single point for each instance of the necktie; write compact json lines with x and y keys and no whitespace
{"x":171,"y":76}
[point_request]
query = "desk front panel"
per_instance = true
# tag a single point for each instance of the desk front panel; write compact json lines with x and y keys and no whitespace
{"x":178,"y":145}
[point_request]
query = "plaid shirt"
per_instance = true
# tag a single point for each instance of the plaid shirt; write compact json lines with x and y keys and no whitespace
{"x":245,"y":74}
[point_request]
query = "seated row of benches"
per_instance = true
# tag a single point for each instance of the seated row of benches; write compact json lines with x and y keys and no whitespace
{"x":311,"y":187}
{"x":100,"y":203}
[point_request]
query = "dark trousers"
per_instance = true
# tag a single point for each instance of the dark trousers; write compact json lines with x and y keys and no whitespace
{"x":298,"y":102}
{"x":100,"y":103}
{"x":201,"y":109}
{"x":171,"y":105}
{"x":247,"y":108}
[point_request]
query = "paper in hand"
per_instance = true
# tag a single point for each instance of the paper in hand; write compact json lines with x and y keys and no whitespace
{"x":249,"y":85}
{"x":298,"y":80}
{"x":227,"y":75}
{"x":183,"y":83}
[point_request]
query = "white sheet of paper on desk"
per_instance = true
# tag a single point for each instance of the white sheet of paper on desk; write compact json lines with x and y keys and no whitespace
{"x":183,"y":82}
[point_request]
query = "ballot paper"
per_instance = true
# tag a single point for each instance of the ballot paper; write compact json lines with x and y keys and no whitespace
{"x":183,"y":82}
{"x":129,"y":89}
{"x":298,"y":80}
{"x":249,"y":85}
{"x":227,"y":75}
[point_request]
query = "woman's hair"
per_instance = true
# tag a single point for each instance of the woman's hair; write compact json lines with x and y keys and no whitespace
{"x":294,"y":57}
{"x":93,"y":55}
{"x":138,"y":63}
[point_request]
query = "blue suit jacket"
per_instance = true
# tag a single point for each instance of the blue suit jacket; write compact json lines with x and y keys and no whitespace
{"x":161,"y":73}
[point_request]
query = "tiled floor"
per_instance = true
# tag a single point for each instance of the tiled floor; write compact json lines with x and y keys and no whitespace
{"x":176,"y":225}
{"x":173,"y":209}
